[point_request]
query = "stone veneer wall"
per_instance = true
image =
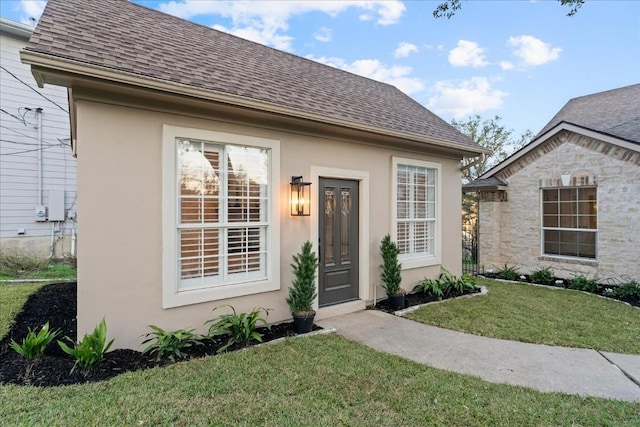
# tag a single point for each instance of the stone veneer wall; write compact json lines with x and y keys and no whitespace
{"x":510,"y":232}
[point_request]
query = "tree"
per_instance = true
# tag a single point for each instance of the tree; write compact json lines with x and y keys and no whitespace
{"x":492,"y":135}
{"x":449,"y":8}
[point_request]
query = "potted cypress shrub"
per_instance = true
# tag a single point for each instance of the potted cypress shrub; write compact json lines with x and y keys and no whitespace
{"x":302,"y":292}
{"x":390,"y":273}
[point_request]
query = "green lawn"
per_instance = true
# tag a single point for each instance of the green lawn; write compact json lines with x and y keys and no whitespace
{"x":12,"y":298}
{"x":546,"y":316}
{"x":322,"y":380}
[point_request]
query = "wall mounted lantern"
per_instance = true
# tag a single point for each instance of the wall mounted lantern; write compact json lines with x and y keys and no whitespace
{"x":300,"y":197}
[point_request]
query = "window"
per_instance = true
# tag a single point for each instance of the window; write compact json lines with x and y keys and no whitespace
{"x":570,"y":222}
{"x":416,"y":213}
{"x":220,"y":216}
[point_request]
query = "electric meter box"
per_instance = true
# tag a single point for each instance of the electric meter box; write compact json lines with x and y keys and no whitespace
{"x":56,"y":205}
{"x":41,"y":213}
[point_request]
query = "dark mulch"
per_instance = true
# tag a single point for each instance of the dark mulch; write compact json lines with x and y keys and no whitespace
{"x":56,"y":303}
{"x":418,"y":298}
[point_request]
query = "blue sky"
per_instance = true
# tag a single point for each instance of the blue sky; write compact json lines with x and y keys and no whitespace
{"x":520,"y":60}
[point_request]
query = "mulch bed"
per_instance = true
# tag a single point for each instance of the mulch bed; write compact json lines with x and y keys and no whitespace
{"x":418,"y":298}
{"x":56,"y":303}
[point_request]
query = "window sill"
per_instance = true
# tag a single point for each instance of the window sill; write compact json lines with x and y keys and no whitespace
{"x":171,"y":299}
{"x":568,"y":260}
{"x":411,"y":263}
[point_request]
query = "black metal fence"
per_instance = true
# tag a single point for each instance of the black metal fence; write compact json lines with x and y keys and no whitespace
{"x":470,"y":237}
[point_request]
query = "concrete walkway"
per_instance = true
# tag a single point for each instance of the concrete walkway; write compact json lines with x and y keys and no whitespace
{"x":550,"y":369}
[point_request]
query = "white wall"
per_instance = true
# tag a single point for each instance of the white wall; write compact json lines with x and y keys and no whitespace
{"x":19,"y":152}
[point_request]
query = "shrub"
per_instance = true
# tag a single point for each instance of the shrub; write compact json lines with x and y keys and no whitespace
{"x":629,"y":290}
{"x":14,"y":265}
{"x":544,"y":276}
{"x":390,"y":268}
{"x":170,"y":344}
{"x":467,"y":278}
{"x":302,"y":292}
{"x":90,"y":351}
{"x":430,"y":287}
{"x":452,"y":285}
{"x":34,"y":344}
{"x":241,"y":327}
{"x":446,"y":284}
{"x":583,"y":283}
{"x":507,"y":272}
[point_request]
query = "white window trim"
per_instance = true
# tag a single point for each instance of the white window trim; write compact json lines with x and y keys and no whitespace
{"x":171,"y":296}
{"x":409,"y":261}
{"x":543,"y":228}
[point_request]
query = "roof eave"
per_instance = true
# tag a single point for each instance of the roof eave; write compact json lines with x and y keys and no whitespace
{"x":562,"y":126}
{"x":43,"y":65}
{"x":469,"y":188}
{"x":16,"y":29}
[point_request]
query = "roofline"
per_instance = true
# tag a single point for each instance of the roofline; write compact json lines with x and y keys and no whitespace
{"x":562,"y":126}
{"x":469,"y":188}
{"x":16,"y":28}
{"x":57,"y":64}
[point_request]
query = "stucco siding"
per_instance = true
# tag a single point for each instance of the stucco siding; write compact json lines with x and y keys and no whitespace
{"x":518,"y":221}
{"x":120,"y":193}
{"x":19,"y":150}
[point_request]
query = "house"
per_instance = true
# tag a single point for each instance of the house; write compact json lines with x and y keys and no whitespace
{"x":570,"y":199}
{"x":187,"y":140}
{"x":37,"y":168}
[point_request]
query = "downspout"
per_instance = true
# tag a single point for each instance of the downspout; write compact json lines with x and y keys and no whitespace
{"x":53,"y":240}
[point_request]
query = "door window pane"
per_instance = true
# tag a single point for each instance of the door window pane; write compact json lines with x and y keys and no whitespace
{"x":345,"y":224}
{"x":329,"y":212}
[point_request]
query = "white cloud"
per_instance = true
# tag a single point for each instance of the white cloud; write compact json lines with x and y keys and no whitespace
{"x":323,"y":34}
{"x":405,"y":49}
{"x":466,"y":54}
{"x":265,"y":36}
{"x":466,"y":97}
{"x":398,"y":76}
{"x":533,"y":51}
{"x":265,"y":21}
{"x":31,"y":9}
{"x":506,"y":65}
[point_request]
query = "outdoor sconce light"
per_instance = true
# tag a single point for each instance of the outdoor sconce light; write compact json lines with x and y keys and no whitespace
{"x":300,"y":197}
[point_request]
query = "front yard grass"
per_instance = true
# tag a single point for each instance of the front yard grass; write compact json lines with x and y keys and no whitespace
{"x":534,"y":314}
{"x":12,"y":298}
{"x":321,"y":380}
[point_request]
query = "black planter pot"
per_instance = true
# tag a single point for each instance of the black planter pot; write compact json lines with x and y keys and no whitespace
{"x":396,"y":301}
{"x":303,"y":323}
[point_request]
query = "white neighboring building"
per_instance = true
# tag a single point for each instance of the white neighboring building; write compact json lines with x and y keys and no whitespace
{"x":37,"y":167}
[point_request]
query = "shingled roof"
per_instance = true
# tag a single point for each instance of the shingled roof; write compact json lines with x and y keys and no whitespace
{"x":614,"y":112}
{"x":128,"y":38}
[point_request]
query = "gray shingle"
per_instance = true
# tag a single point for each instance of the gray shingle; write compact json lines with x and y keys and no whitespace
{"x":614,"y":112}
{"x":123,"y":36}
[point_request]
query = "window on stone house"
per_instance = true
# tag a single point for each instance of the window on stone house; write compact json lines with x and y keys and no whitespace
{"x":570,"y":222}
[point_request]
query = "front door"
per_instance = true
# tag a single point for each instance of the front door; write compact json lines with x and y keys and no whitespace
{"x":338,"y":241}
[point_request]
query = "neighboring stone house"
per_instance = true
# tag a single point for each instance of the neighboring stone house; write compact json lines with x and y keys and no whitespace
{"x":187,"y":140}
{"x":37,"y":167}
{"x":570,"y":199}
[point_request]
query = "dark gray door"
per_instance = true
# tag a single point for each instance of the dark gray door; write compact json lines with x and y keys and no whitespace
{"x":338,"y":241}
